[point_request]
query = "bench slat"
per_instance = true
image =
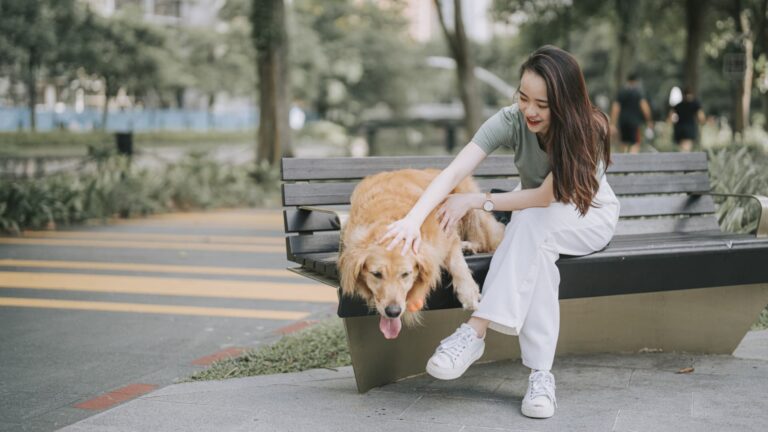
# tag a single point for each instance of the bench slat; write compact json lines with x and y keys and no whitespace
{"x":297,"y":169}
{"x":633,"y":184}
{"x":666,"y":205}
{"x":630,"y":264}
{"x":630,"y":207}
{"x":666,"y":225}
{"x":324,"y":222}
{"x":315,"y":243}
{"x":298,"y":194}
{"x":357,"y":168}
{"x":306,"y":194}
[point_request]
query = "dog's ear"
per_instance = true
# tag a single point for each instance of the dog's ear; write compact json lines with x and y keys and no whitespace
{"x":428,"y":265}
{"x":350,"y":264}
{"x":351,"y":260}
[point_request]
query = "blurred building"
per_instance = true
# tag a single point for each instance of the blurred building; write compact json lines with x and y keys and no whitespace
{"x":425,"y":26}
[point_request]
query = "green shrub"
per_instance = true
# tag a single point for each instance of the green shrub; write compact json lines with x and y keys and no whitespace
{"x":738,"y":169}
{"x":110,"y":186}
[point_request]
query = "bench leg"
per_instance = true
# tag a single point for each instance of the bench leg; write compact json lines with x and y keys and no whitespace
{"x":703,"y":320}
{"x":378,"y":361}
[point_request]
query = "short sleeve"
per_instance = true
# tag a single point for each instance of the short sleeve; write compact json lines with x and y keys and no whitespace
{"x":502,"y":129}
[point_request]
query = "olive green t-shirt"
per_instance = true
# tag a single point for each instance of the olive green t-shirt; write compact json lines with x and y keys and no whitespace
{"x":507,"y":128}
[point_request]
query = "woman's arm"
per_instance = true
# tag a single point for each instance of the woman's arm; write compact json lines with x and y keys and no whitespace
{"x":541,"y":196}
{"x":462,"y":165}
{"x":408,"y":229}
{"x":457,"y":205}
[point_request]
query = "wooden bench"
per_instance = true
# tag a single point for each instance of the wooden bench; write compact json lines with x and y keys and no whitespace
{"x":669,"y":280}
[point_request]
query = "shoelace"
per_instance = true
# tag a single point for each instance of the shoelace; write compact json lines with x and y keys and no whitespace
{"x":454,"y":344}
{"x":542,"y":385}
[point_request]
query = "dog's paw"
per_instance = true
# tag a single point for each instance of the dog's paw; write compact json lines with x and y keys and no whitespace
{"x":469,"y":248}
{"x":469,"y":295}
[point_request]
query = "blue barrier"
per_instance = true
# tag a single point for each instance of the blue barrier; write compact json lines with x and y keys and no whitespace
{"x":16,"y":118}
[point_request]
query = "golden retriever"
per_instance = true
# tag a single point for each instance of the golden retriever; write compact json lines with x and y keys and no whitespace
{"x":397,"y":286}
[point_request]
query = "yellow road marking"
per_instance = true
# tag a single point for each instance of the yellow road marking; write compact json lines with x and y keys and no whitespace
{"x":143,"y":245}
{"x":169,"y":286}
{"x":101,"y":235}
{"x":213,"y":218}
{"x":190,"y":269}
{"x":151,"y":308}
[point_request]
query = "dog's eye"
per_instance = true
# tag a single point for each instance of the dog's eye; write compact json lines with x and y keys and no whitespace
{"x":406,"y":274}
{"x":376,"y":274}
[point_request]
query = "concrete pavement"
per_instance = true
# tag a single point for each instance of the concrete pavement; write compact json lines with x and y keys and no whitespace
{"x":600,"y":392}
{"x":93,"y":315}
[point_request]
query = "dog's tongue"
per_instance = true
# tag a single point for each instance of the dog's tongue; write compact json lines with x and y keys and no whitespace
{"x":390,"y":327}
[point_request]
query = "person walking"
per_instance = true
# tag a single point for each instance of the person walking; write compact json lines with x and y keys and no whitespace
{"x":563,"y":205}
{"x":628,"y":112}
{"x":685,"y":117}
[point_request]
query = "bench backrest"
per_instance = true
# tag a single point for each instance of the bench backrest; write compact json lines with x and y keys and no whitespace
{"x":657,"y":192}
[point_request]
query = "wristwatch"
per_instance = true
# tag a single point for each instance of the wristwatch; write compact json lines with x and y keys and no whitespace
{"x":488,"y":204}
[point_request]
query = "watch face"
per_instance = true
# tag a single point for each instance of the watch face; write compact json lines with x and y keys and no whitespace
{"x":488,"y":206}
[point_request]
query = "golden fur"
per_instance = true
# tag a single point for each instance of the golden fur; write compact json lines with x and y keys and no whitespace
{"x":387,"y":279}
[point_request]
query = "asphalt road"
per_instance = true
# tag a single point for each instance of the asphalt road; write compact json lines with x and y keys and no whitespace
{"x":92,"y":316}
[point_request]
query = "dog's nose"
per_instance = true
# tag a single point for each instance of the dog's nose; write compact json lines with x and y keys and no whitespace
{"x":393,"y":311}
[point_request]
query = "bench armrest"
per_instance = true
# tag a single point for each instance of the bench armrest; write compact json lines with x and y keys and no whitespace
{"x":762,"y":201}
{"x":341,"y":214}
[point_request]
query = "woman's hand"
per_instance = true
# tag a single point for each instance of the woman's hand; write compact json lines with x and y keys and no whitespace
{"x":452,"y":209}
{"x":404,"y":230}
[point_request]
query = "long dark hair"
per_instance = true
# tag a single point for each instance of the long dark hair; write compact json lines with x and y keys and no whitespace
{"x":577,"y":138}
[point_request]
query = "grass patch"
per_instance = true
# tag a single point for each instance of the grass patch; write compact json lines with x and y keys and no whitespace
{"x":762,"y":320}
{"x":323,"y":345}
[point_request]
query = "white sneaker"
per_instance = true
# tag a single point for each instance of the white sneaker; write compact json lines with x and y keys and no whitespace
{"x":539,"y":400}
{"x":456,"y":353}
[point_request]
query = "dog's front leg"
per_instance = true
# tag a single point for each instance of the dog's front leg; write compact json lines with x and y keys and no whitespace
{"x":465,"y":287}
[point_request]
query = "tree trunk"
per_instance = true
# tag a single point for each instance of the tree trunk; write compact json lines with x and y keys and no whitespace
{"x":105,"y":109}
{"x":694,"y":23}
{"x":626,"y":11}
{"x":211,"y":103}
{"x":32,"y":92}
{"x":742,"y":78}
{"x":465,"y":68}
{"x":271,"y":40}
{"x":761,"y":46}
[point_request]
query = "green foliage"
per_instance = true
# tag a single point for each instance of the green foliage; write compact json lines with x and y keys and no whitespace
{"x":348,"y":56}
{"x":321,"y":346}
{"x":115,"y":188}
{"x":738,"y":169}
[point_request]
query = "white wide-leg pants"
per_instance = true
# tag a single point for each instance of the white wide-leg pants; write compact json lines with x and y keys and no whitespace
{"x":520,"y":293}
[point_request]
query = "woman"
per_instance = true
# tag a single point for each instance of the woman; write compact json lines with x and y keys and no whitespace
{"x":565,"y":205}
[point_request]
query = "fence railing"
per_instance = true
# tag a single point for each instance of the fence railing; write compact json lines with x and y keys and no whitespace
{"x":17,"y":118}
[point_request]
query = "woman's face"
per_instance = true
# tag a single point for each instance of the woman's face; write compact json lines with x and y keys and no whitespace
{"x":533,"y":102}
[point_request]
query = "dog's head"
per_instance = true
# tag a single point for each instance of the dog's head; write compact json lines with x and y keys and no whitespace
{"x":385,"y":279}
